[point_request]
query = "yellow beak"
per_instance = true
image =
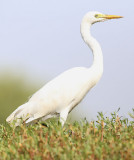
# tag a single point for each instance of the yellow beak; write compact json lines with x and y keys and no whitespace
{"x":110,"y":16}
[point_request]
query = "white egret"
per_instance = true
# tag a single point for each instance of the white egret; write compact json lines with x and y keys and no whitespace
{"x":59,"y":96}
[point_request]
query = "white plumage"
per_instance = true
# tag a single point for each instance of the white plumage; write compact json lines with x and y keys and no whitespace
{"x":59,"y":96}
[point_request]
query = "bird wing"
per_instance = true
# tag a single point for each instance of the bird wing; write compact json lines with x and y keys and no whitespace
{"x":55,"y":96}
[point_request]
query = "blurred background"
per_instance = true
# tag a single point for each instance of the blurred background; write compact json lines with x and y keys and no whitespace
{"x":41,"y":39}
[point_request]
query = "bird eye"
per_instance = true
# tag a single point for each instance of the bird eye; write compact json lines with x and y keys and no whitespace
{"x":96,"y":16}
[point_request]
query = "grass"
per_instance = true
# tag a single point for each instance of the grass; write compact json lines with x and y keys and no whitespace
{"x":107,"y":138}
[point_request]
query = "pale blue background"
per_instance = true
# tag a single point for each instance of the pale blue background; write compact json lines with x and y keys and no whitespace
{"x":43,"y":39}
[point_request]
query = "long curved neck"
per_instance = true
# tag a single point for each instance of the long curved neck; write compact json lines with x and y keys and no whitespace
{"x":97,"y":65}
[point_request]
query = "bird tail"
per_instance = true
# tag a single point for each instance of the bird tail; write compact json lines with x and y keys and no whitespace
{"x":18,"y":115}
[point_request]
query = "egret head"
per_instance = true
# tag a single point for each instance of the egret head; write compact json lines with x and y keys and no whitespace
{"x":93,"y":17}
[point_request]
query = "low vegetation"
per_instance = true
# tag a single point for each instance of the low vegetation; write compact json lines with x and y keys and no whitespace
{"x":107,"y":138}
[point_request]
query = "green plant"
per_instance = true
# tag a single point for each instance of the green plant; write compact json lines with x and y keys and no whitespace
{"x":107,"y":138}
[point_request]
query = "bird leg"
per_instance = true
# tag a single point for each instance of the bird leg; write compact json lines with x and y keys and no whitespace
{"x":63,"y":116}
